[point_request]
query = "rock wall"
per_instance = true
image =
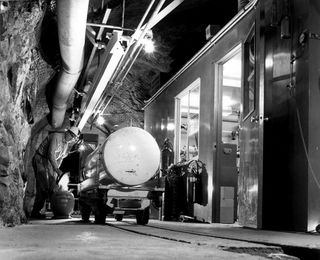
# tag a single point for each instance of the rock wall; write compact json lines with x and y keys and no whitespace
{"x":29,"y":59}
{"x":21,"y":81}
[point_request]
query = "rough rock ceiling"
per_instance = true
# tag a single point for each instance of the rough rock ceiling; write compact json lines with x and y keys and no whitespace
{"x":177,"y":38}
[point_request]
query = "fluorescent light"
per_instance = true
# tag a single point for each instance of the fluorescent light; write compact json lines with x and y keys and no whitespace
{"x":232,"y":72}
{"x":110,"y":60}
{"x":232,"y":68}
{"x":170,"y":126}
{"x":227,"y":102}
{"x":231,"y":82}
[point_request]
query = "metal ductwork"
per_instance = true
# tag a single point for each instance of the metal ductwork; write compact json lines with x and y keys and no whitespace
{"x":72,"y":19}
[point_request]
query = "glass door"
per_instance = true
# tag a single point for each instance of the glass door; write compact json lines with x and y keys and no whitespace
{"x":250,"y":139}
{"x":230,"y":73}
{"x":188,"y":112}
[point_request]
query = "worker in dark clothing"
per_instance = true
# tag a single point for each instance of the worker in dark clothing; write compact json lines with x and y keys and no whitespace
{"x":46,"y":163}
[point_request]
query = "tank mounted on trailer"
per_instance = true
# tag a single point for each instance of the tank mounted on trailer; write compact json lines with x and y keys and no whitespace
{"x":119,"y":176}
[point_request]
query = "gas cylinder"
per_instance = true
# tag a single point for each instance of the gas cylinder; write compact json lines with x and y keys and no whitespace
{"x":130,"y":156}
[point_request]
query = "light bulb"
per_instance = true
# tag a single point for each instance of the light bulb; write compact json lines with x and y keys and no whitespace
{"x":100,"y":120}
{"x":148,"y":45}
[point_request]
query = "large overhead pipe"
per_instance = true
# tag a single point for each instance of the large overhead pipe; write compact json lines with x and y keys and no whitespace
{"x":72,"y":19}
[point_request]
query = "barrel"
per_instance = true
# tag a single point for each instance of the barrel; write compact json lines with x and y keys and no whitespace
{"x":62,"y":204}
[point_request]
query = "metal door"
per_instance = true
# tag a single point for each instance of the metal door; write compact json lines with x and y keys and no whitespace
{"x":250,"y":138}
{"x":229,"y":74}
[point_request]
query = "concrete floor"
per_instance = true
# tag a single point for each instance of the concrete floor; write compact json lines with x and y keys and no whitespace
{"x":234,"y":231}
{"x":73,"y":239}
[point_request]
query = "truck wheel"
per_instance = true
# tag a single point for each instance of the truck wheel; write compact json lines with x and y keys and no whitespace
{"x":118,"y":217}
{"x":85,"y":211}
{"x":142,"y":216}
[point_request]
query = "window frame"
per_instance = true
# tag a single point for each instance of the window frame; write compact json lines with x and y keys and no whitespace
{"x":195,"y":84}
{"x":251,"y":35}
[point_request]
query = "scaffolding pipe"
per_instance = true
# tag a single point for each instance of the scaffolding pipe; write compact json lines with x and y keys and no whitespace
{"x":131,"y":55}
{"x":101,"y":25}
{"x":94,"y":49}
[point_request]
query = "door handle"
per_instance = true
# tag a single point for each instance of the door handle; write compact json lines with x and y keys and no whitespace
{"x":254,"y":119}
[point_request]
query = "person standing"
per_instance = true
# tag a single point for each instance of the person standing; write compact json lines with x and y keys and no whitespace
{"x":46,"y":162}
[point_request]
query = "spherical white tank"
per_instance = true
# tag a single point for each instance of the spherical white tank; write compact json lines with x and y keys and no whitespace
{"x":131,"y":156}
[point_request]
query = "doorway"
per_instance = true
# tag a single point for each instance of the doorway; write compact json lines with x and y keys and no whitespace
{"x":187,"y":121}
{"x":228,"y":150}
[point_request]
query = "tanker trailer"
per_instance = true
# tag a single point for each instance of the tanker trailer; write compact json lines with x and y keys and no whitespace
{"x":120,"y":177}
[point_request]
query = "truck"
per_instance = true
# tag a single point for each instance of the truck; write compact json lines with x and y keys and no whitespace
{"x":122,"y":177}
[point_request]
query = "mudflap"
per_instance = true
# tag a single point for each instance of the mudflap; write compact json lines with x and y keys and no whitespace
{"x":94,"y":201}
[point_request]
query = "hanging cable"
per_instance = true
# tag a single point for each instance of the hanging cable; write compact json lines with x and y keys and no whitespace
{"x":305,"y":148}
{"x":292,"y":93}
{"x":123,"y":11}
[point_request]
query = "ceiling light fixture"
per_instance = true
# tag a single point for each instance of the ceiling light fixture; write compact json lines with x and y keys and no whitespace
{"x":100,"y":120}
{"x":118,"y":58}
{"x":148,"y":45}
{"x":148,"y":42}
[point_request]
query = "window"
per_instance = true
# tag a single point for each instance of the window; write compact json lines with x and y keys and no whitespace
{"x":231,"y":96}
{"x":249,"y":91}
{"x":187,"y":117}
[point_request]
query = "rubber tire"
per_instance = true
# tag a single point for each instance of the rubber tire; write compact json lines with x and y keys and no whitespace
{"x":318,"y":228}
{"x":85,"y":211}
{"x":118,"y":217}
{"x":142,"y":216}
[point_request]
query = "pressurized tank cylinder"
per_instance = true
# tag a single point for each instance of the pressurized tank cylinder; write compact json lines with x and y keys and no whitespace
{"x":131,"y":156}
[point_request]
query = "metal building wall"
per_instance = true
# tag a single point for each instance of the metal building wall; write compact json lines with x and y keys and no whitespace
{"x":314,"y":116}
{"x":280,"y":131}
{"x":161,"y":111}
{"x":291,"y":172}
{"x":289,"y":71}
